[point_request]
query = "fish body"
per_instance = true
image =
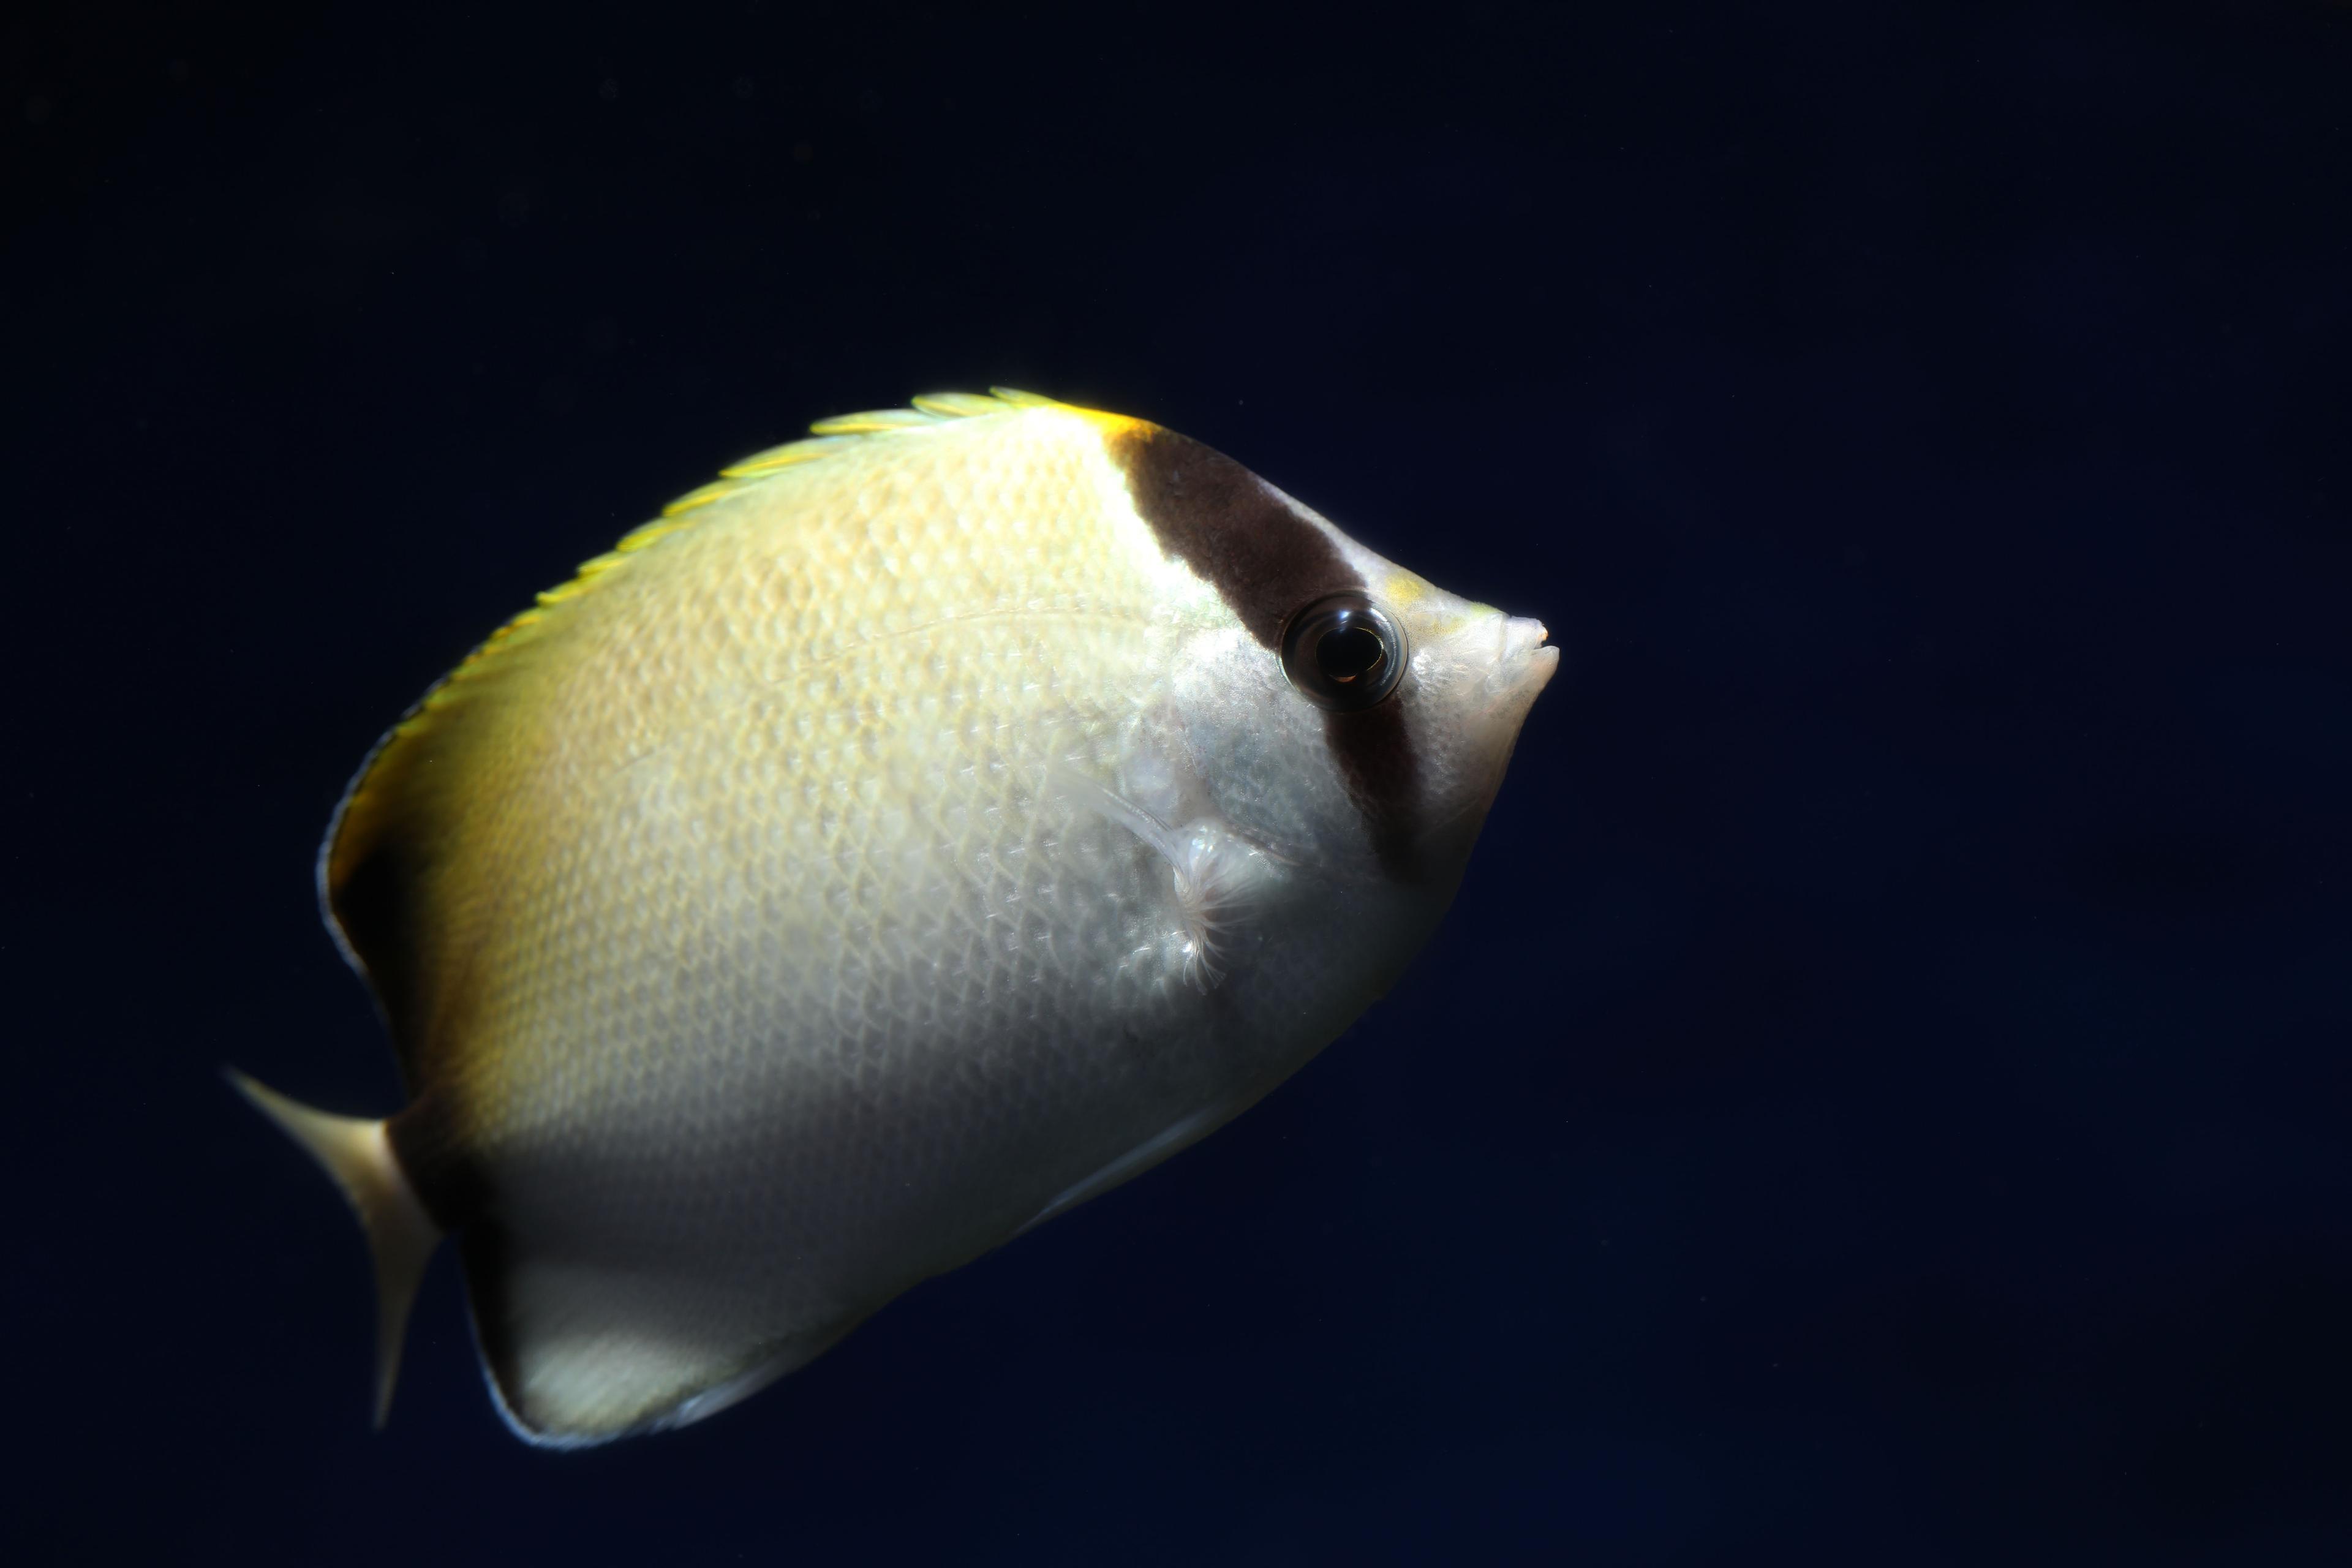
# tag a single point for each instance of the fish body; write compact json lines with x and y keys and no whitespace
{"x":925,"y":828}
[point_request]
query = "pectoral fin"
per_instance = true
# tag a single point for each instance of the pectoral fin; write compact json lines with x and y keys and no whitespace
{"x":1218,"y":878}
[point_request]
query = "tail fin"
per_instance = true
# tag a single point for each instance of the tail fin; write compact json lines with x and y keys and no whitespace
{"x":400,"y":1234}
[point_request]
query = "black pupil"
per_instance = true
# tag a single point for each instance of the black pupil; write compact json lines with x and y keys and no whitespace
{"x":1349,"y":652}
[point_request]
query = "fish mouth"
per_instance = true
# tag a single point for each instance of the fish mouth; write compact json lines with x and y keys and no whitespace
{"x":1518,"y":663}
{"x":1524,"y":661}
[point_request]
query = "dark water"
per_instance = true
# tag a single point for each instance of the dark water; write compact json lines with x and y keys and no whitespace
{"x":1882,"y":1095}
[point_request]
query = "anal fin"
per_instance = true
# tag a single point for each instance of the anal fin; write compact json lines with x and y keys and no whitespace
{"x":578,"y":1353}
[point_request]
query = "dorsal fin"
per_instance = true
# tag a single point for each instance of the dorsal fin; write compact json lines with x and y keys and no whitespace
{"x":395,"y":828}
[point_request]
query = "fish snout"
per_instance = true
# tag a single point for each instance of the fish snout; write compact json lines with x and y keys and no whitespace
{"x":1525,"y":659}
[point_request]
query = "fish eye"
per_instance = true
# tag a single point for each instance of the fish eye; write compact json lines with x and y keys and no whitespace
{"x":1343,"y":652}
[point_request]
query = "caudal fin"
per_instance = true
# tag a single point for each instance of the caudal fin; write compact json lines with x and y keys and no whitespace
{"x":401,"y":1235}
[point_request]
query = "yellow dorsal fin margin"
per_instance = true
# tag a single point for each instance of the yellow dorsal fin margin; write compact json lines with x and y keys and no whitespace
{"x":825,"y":437}
{"x":377,"y":800}
{"x":929,"y":411}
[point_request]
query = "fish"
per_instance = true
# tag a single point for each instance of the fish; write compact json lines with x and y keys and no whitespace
{"x":920,"y":830}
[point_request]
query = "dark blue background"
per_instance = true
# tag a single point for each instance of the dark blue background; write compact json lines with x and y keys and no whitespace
{"x":1882,"y":1096}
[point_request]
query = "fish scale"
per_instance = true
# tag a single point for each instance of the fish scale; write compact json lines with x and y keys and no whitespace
{"x":761,"y":925}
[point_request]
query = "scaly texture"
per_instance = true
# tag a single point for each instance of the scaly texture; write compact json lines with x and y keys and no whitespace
{"x":755,"y":933}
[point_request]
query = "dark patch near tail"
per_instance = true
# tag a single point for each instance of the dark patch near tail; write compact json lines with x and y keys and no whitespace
{"x":376,"y":903}
{"x":1267,"y":562}
{"x":488,"y":1259}
{"x":387,"y":906}
{"x":428,"y":1138}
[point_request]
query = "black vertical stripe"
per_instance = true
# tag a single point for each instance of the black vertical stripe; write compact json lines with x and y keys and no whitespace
{"x":1230,"y":527}
{"x":1267,"y":562}
{"x":1383,"y":772}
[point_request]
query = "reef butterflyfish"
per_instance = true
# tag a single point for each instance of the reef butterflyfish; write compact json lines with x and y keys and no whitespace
{"x":918,"y":832}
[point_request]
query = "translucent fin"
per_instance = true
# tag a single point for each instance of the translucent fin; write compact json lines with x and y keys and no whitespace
{"x":873,"y":420}
{"x":1140,"y":1159}
{"x":702,"y":497}
{"x":577,"y":1353}
{"x":785,"y":456}
{"x":1219,"y":878}
{"x":401,"y":1235}
{"x":958,"y":404}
